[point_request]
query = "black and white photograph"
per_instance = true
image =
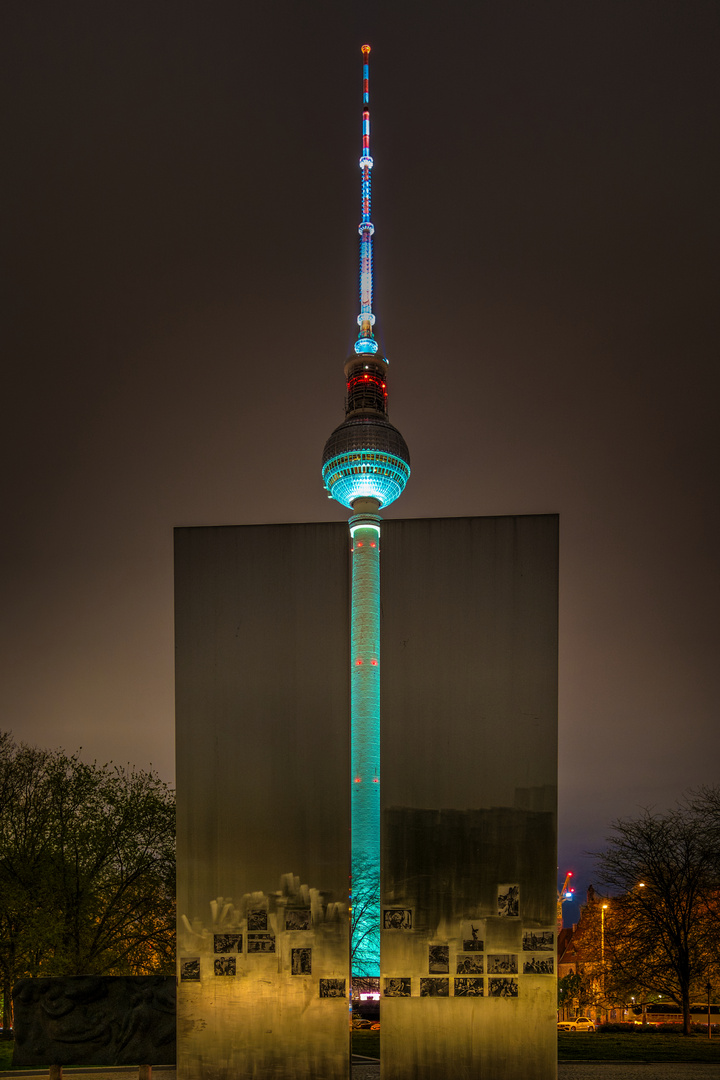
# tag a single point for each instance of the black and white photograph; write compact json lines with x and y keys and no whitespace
{"x":261,"y":943}
{"x":434,"y":988}
{"x":297,"y":919}
{"x":472,"y":937}
{"x":227,"y":943}
{"x":502,"y":988}
{"x":225,"y":965}
{"x":469,"y":988}
{"x":397,"y":918}
{"x":439,"y":959}
{"x":502,"y":964}
{"x":397,"y":988}
{"x":190,"y":969}
{"x":301,"y":963}
{"x":538,"y":940}
{"x":332,"y":988}
{"x":538,"y":965}
{"x":469,"y":965}
{"x":257,"y":920}
{"x":508,"y":900}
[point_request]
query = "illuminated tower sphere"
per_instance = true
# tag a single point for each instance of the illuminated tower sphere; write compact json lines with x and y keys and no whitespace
{"x":366,"y":465}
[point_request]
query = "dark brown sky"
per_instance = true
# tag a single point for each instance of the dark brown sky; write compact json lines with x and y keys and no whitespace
{"x":181,"y":196}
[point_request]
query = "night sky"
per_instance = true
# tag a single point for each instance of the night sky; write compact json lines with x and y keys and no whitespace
{"x":180,"y":206}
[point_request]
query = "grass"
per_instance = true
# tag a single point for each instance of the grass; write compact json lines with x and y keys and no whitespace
{"x":6,"y":1052}
{"x":367,"y":1043}
{"x":637,"y":1046}
{"x":578,"y":1046}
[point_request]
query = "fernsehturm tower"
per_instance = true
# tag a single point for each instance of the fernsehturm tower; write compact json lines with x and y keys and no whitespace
{"x":366,"y":465}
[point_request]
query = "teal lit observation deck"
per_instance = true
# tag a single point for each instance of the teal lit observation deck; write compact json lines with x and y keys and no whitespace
{"x":366,"y":457}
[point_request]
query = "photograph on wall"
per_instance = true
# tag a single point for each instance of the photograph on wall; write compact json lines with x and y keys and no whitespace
{"x":538,"y":940}
{"x":508,"y":900}
{"x":301,"y":963}
{"x":502,"y":964}
{"x":332,"y":988}
{"x":257,"y":920}
{"x":468,"y":988}
{"x":472,"y":937}
{"x":469,"y":965}
{"x":397,"y":918}
{"x":538,"y":965}
{"x":261,"y":943}
{"x":190,"y":969}
{"x":397,"y":988}
{"x":439,"y":959}
{"x":297,"y":919}
{"x":225,"y":943}
{"x":225,"y":965}
{"x":434,"y":988}
{"x":502,"y":987}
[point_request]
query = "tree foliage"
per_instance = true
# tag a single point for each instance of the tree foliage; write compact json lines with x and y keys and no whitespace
{"x":87,"y":867}
{"x":662,"y":930}
{"x":572,"y":991}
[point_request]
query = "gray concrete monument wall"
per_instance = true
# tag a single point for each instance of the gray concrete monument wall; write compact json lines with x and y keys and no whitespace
{"x":469,"y":763}
{"x":469,"y":768}
{"x":263,"y":811}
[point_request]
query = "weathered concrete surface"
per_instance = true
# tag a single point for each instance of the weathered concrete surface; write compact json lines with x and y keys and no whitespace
{"x":263,"y":823}
{"x":469,"y":775}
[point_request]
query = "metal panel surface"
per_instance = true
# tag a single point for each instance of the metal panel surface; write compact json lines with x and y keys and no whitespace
{"x":469,"y":758}
{"x":263,"y":809}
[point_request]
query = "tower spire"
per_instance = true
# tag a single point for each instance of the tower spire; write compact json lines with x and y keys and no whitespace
{"x":366,"y":457}
{"x":366,"y":342}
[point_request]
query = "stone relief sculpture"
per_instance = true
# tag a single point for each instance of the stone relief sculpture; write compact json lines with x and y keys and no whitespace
{"x":89,"y":1020}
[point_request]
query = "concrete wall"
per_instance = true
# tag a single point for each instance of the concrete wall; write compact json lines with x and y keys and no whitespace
{"x":469,"y":767}
{"x":263,"y":813}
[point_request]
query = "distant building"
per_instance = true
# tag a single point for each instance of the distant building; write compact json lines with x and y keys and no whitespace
{"x":581,"y":951}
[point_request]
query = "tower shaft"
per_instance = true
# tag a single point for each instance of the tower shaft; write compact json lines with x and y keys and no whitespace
{"x":365,"y":743}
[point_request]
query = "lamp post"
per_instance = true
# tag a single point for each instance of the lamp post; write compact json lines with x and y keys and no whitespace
{"x":602,"y":955}
{"x":708,"y":988}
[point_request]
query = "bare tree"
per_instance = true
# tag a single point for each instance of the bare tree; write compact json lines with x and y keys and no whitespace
{"x":365,"y":921}
{"x":662,"y":929}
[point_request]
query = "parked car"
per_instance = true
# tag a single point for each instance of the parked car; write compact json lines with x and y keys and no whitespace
{"x":360,"y":1023}
{"x":580,"y":1023}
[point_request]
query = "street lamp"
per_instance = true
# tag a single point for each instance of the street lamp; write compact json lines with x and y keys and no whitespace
{"x":602,"y":953}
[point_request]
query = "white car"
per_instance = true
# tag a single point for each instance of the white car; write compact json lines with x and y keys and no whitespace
{"x":580,"y":1023}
